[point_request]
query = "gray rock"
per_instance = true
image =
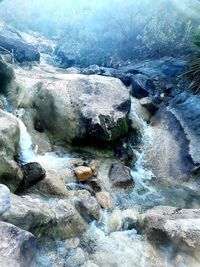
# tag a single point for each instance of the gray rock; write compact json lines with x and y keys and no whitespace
{"x":53,"y":184}
{"x":17,"y":247}
{"x":82,"y":107}
{"x":13,"y":42}
{"x":167,"y":154}
{"x":64,"y":59}
{"x":149,"y":104}
{"x":87,"y":206}
{"x":10,"y":173}
{"x":179,"y":226}
{"x":186,"y":109}
{"x":142,"y":86}
{"x":4,"y":199}
{"x":56,"y":218}
{"x":120,"y":176}
{"x":166,"y":67}
{"x":32,"y":174}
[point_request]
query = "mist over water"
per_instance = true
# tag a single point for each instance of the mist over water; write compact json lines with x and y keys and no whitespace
{"x":105,"y":32}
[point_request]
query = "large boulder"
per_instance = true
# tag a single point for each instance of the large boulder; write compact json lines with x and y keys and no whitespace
{"x":57,"y":218}
{"x":82,"y":107}
{"x":186,"y":108}
{"x":180,"y":226}
{"x":167,"y":153}
{"x":17,"y":247}
{"x":174,"y":150}
{"x":10,"y":173}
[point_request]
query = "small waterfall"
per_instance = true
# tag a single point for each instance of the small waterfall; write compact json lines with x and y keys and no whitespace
{"x":6,"y":105}
{"x":139,"y":172}
{"x":49,"y":161}
{"x":26,"y":147}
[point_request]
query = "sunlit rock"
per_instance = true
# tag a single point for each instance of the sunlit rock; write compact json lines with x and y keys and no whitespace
{"x":83,"y":173}
{"x":79,"y":107}
{"x":104,"y":199}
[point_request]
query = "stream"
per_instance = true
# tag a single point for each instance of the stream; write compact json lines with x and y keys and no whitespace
{"x":110,"y":242}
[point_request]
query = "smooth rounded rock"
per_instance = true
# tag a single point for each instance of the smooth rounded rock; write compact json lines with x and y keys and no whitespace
{"x":104,"y":200}
{"x":83,"y":173}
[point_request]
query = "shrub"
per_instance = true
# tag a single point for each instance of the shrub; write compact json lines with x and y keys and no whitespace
{"x":193,"y":73}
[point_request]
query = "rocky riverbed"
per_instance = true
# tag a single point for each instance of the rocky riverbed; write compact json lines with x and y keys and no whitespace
{"x":99,"y":166}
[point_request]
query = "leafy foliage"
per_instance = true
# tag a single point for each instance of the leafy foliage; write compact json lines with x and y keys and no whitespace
{"x":193,"y":73}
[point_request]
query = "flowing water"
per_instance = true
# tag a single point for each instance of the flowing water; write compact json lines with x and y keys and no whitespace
{"x":109,"y":243}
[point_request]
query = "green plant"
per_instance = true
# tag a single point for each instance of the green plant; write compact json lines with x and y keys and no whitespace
{"x":193,"y":73}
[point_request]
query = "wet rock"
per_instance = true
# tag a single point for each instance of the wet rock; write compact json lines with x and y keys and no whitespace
{"x":92,"y":69}
{"x":94,"y":184}
{"x":186,"y":108}
{"x":56,"y":218}
{"x":142,"y":86}
{"x":21,"y":50}
{"x":104,"y":200}
{"x":33,"y":173}
{"x":10,"y":173}
{"x":4,"y":199}
{"x":138,"y":115}
{"x":83,"y":173}
{"x":64,"y":59}
{"x":94,"y":165}
{"x":149,"y":104}
{"x":180,"y":226}
{"x":77,"y":162}
{"x":75,"y":257}
{"x":17,"y":247}
{"x":167,"y":154}
{"x":125,"y":78}
{"x":120,"y":176}
{"x":1,"y":105}
{"x":124,"y":150}
{"x":6,"y":76}
{"x":123,"y":220}
{"x":94,"y":108}
{"x":53,"y":184}
{"x":86,"y":205}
